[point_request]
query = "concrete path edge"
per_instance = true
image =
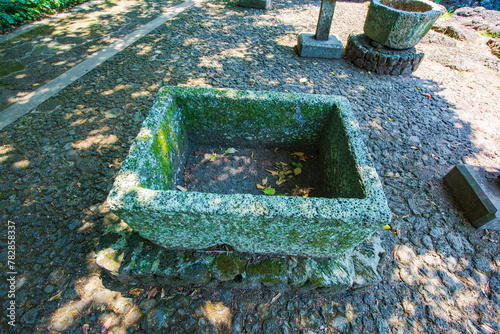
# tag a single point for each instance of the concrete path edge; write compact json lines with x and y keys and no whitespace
{"x":34,"y":99}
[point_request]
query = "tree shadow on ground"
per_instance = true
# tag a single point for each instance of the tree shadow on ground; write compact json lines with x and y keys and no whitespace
{"x":58,"y":163}
{"x":36,"y":57}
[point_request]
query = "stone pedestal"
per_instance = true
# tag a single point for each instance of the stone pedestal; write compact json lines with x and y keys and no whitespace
{"x":478,"y":192}
{"x":308,"y":46}
{"x":321,"y":45}
{"x":364,"y":53}
{"x":258,"y":4}
{"x":128,"y":258}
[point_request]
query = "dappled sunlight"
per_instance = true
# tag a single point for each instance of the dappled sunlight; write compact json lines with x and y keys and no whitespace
{"x":219,"y":315}
{"x":141,"y":93}
{"x":21,"y":164}
{"x":4,"y":149}
{"x":102,"y":141}
{"x":94,"y":298}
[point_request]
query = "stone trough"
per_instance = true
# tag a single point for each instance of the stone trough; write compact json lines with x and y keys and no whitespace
{"x":145,"y":194}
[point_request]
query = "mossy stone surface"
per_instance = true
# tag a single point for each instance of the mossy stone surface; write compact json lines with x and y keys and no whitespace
{"x":140,"y":261}
{"x":145,"y":196}
{"x":227,"y":266}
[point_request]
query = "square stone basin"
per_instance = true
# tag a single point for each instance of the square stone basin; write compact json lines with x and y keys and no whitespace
{"x":146,"y":197}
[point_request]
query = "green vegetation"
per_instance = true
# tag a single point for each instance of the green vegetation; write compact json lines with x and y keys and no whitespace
{"x":14,"y":12}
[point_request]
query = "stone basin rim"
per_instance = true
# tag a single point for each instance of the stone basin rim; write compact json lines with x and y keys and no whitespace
{"x":434,"y":8}
{"x":270,"y":204}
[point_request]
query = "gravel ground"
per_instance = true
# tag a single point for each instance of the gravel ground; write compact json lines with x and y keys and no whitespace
{"x":57,"y":165}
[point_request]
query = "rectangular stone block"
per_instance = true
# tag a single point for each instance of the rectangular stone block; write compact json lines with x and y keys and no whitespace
{"x":478,"y":194}
{"x":146,"y":197}
{"x":308,"y":46}
{"x":258,"y":4}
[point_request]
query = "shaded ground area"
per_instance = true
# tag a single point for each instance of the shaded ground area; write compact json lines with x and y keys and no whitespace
{"x":40,"y":55}
{"x":57,"y":165}
{"x":253,"y":170}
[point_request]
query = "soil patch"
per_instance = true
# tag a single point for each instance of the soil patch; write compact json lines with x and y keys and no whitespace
{"x":253,"y":170}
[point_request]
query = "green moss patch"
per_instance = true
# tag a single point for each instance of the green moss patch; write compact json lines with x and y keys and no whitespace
{"x":9,"y":67}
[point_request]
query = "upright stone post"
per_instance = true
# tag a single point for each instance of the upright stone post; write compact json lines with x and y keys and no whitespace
{"x":321,"y":45}
{"x":325,"y":19}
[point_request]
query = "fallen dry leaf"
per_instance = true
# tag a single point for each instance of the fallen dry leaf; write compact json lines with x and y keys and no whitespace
{"x":427,"y":95}
{"x":488,"y":328}
{"x":152,"y":293}
{"x":297,"y":171}
{"x":303,"y":80}
{"x":181,"y":188}
{"x":264,"y":181}
{"x":273,"y":172}
{"x":260,"y":186}
{"x":106,"y":326}
{"x":57,"y":296}
{"x":275,"y":150}
{"x":231,"y":150}
{"x":297,"y":154}
{"x":136,"y":291}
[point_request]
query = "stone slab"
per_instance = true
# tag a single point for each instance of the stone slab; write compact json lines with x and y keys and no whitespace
{"x":477,"y":190}
{"x":257,"y":4}
{"x":129,"y":258}
{"x":309,"y":47}
{"x":146,"y":194}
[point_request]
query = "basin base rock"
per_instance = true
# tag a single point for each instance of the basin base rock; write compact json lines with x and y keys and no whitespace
{"x":364,"y":53}
{"x":129,"y":258}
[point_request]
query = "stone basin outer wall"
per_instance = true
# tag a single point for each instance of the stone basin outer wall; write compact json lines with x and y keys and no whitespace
{"x":313,"y":227}
{"x":399,"y":29}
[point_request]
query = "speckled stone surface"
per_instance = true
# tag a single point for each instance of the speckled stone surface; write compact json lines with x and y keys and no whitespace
{"x":145,"y":197}
{"x":308,"y":46}
{"x":400,"y":24}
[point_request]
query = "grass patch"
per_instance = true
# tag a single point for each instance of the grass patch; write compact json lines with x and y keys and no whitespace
{"x":9,"y":67}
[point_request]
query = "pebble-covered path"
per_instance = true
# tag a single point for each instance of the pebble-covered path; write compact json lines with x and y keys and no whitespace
{"x":57,"y":164}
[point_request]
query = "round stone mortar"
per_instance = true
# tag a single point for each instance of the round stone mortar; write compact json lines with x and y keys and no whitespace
{"x":400,"y":24}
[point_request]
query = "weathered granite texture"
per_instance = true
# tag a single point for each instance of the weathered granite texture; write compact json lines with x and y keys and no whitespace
{"x":144,"y":193}
{"x":308,"y":46}
{"x":371,"y":56}
{"x":400,"y":24}
{"x":130,"y":258}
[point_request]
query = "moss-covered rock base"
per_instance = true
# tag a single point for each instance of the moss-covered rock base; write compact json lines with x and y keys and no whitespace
{"x":146,"y":194}
{"x":129,"y":258}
